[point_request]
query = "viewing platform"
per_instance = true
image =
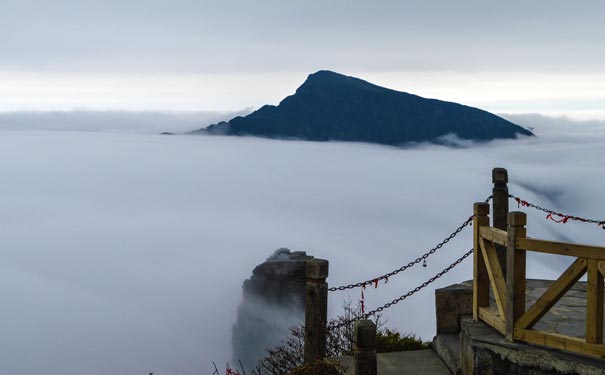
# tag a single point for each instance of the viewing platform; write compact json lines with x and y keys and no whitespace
{"x":500,"y":322}
{"x":464,"y":346}
{"x":473,"y":347}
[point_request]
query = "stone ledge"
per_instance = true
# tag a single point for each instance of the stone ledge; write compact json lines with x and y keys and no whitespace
{"x":485,"y":351}
{"x":447,"y":347}
{"x":451,"y":303}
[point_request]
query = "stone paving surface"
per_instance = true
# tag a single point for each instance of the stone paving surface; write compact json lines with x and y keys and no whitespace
{"x":424,"y":362}
{"x":567,"y":317}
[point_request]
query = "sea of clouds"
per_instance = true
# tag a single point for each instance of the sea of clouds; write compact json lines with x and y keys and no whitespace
{"x":124,"y":251}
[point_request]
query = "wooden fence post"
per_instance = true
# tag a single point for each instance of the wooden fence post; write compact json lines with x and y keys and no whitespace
{"x":500,"y":209}
{"x":316,"y":310}
{"x":515,"y":272}
{"x":594,"y":303}
{"x":480,"y":276}
{"x":365,"y":352}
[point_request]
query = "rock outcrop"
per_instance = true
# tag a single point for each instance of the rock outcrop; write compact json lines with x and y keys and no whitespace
{"x":273,"y":301}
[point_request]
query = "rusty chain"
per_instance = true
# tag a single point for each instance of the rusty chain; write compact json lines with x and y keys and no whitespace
{"x":421,"y":258}
{"x":424,"y":256}
{"x":564,"y":217}
{"x":403,"y":297}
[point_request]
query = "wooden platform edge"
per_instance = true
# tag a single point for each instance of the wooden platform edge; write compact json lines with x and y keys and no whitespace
{"x":553,"y":340}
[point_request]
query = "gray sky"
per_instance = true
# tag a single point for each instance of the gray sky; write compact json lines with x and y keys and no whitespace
{"x":227,"y":55}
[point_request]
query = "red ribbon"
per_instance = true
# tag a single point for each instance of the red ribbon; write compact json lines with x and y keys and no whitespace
{"x":521,"y":202}
{"x":563,"y":220}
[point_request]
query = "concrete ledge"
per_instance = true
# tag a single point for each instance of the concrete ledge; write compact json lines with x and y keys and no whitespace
{"x":447,"y":347}
{"x":421,"y":362}
{"x":482,"y":350}
{"x":485,"y":351}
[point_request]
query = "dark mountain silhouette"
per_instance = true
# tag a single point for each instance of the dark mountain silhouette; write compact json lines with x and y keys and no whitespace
{"x":330,"y":106}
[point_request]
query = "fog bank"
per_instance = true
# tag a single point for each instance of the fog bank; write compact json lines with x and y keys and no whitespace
{"x":125,"y":253}
{"x":113,"y":121}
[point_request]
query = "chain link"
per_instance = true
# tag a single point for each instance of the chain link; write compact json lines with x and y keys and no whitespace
{"x":411,"y":264}
{"x":403,"y":297}
{"x":525,"y":203}
{"x":422,"y":258}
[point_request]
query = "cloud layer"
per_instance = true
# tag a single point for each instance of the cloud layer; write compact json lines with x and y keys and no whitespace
{"x":125,"y":253}
{"x":112,"y":121}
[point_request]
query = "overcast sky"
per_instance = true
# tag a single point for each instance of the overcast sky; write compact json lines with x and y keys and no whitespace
{"x":514,"y":56}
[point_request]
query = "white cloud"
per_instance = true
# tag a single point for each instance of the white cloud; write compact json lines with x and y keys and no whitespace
{"x":31,"y":91}
{"x":112,"y":121}
{"x":125,"y":253}
{"x":578,"y":94}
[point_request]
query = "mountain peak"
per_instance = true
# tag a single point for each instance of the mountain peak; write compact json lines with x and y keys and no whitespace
{"x":333,"y":106}
{"x":329,"y":78}
{"x":324,"y":76}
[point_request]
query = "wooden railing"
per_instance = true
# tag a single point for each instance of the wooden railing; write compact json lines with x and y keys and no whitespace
{"x":510,"y":316}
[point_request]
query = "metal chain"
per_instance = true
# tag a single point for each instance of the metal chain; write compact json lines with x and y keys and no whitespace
{"x":525,"y":203}
{"x":403,"y":297}
{"x":411,"y":264}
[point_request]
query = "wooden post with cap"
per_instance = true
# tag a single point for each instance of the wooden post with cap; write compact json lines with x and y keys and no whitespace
{"x":500,"y":209}
{"x":316,"y":310}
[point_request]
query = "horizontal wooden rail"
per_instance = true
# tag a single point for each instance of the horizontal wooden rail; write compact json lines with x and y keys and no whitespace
{"x":494,"y":235}
{"x":561,"y":248}
{"x":553,"y":340}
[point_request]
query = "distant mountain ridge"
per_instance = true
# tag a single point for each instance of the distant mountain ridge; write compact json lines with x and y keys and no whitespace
{"x":333,"y":107}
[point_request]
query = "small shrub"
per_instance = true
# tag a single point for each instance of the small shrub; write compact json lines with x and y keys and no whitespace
{"x":323,"y":367}
{"x":288,"y":357}
{"x":392,"y":341}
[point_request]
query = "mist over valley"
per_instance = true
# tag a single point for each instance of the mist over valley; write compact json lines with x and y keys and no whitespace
{"x":125,"y":251}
